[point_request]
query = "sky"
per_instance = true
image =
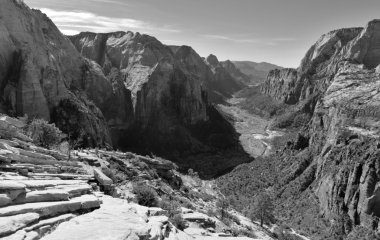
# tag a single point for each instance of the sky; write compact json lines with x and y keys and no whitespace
{"x":275,"y":31}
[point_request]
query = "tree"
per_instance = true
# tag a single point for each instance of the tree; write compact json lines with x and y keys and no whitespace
{"x":263,"y":209}
{"x":223,"y":204}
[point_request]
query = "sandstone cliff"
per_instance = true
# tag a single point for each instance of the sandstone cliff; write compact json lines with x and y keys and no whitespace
{"x":339,"y":79}
{"x":40,"y":68}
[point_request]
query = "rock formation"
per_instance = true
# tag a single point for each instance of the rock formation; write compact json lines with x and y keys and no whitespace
{"x":223,"y":84}
{"x":120,"y":90}
{"x":169,"y":87}
{"x":40,"y":69}
{"x":337,"y":82}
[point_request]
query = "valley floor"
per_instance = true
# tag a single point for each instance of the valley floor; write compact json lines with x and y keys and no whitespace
{"x":255,"y":137}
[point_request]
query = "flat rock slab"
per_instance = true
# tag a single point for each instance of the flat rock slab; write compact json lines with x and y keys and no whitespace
{"x":11,"y":185}
{"x":50,"y":222}
{"x":49,"y":183}
{"x":114,"y":220}
{"x":44,"y":196}
{"x":53,"y":208}
{"x":11,"y":224}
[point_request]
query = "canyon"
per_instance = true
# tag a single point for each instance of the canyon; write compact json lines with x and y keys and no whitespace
{"x":308,"y":136}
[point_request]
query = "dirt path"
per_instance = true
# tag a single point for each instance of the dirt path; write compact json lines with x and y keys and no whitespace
{"x":255,"y":137}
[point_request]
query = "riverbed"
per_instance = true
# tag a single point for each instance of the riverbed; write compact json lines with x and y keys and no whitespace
{"x":255,"y":137}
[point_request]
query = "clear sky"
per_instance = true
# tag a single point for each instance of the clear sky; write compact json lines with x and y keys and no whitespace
{"x":275,"y":31}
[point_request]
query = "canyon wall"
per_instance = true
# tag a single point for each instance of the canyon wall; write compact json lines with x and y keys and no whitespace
{"x":339,"y":77}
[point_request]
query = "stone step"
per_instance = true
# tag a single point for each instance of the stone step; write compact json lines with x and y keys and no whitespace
{"x":43,"y":184}
{"x":17,"y":158}
{"x":63,"y":176}
{"x":22,"y":235}
{"x":50,"y":195}
{"x":76,"y":191}
{"x":50,"y":222}
{"x":51,"y":209}
{"x":12,"y":224}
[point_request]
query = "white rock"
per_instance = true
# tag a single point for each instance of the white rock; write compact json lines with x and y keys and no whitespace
{"x":11,"y":224}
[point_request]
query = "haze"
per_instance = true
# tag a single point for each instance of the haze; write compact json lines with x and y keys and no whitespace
{"x":275,"y":31}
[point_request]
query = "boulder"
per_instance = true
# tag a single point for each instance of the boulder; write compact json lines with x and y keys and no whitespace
{"x":102,"y":178}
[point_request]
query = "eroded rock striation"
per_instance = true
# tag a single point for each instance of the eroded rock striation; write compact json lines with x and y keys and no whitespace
{"x":40,"y":69}
{"x":339,"y":80}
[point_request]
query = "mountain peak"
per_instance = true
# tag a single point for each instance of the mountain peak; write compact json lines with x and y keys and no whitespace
{"x":212,"y":60}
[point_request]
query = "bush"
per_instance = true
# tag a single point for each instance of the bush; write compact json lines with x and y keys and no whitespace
{"x":172,"y":206}
{"x":44,"y":134}
{"x":8,"y":132}
{"x":145,"y":195}
{"x":178,"y":222}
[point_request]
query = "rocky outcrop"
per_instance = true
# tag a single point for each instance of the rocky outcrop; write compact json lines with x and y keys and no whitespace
{"x":39,"y":188}
{"x":40,"y":68}
{"x":339,"y":74}
{"x":316,"y":71}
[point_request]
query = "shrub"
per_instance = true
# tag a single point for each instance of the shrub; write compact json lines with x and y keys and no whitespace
{"x":178,"y":222}
{"x":145,"y":195}
{"x":44,"y":134}
{"x":8,"y":132}
{"x":172,"y":206}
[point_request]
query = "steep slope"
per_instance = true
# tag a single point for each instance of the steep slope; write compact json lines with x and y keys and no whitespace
{"x":257,"y":72}
{"x":172,"y":113}
{"x":41,"y":71}
{"x":224,"y":84}
{"x":236,"y":73}
{"x":331,"y":168}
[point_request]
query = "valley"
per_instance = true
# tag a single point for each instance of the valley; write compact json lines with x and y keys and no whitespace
{"x":116,"y":135}
{"x":255,"y":137}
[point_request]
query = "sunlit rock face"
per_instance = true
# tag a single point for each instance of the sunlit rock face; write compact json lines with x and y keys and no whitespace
{"x":169,"y":112}
{"x":40,"y":68}
{"x":339,"y":77}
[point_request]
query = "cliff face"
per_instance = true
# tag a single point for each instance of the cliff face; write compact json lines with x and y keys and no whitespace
{"x":223,"y":83}
{"x":40,"y":68}
{"x":236,"y":73}
{"x":169,"y":96}
{"x":316,"y":71}
{"x":340,"y":73}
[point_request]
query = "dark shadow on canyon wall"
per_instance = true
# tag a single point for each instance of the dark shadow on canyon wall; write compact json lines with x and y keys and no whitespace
{"x":211,"y":147}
